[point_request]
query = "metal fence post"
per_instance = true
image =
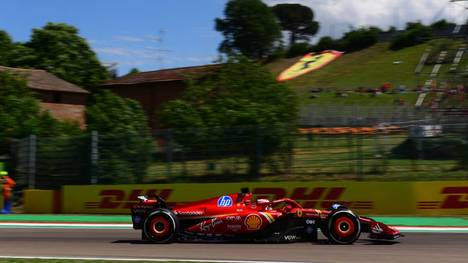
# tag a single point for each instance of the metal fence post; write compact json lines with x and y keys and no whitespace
{"x":349,"y":140}
{"x":94,"y":156}
{"x":360,"y":157}
{"x":32,"y":161}
{"x":259,"y":152}
{"x":169,"y":153}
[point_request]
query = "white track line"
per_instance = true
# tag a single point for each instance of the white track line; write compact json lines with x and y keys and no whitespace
{"x":147,"y":259}
{"x":431,"y":229}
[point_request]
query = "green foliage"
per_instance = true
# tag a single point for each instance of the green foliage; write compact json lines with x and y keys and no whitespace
{"x":430,"y":149}
{"x":62,"y":160}
{"x":441,"y":25}
{"x":249,"y":28}
{"x":298,"y":20}
{"x":61,"y":51}
{"x":133,"y":71}
{"x":242,"y":100}
{"x":278,"y":53}
{"x":22,"y":56}
{"x":19,"y":110}
{"x":298,"y":49}
{"x":125,"y":144}
{"x":360,"y":39}
{"x":463,"y":156}
{"x":20,"y":114}
{"x":352,"y":41}
{"x":5,"y":46}
{"x":392,"y":29}
{"x":57,"y":48}
{"x":15,"y":54}
{"x":327,"y":43}
{"x":416,"y":33}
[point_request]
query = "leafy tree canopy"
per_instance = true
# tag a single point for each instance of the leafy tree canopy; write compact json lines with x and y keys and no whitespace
{"x":249,"y":28}
{"x":242,"y":100}
{"x":360,"y":38}
{"x":441,"y":24}
{"x":5,"y":46}
{"x":125,"y":144}
{"x":298,"y":20}
{"x":22,"y":56}
{"x":61,"y":51}
{"x":416,"y":33}
{"x":327,"y":43}
{"x":20,"y":114}
{"x":133,"y":71}
{"x":112,"y":114}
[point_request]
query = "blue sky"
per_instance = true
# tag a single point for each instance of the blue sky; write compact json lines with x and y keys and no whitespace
{"x":128,"y":32}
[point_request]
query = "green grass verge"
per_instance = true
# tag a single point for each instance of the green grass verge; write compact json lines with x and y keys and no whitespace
{"x":370,"y":67}
{"x":316,"y":158}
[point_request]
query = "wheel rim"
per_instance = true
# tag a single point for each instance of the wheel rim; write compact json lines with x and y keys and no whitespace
{"x":344,"y":227}
{"x":159,"y":226}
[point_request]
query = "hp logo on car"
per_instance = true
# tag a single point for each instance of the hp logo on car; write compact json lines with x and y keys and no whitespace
{"x":225,"y":201}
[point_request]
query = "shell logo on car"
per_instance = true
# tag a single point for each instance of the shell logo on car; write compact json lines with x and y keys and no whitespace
{"x":253,"y":222}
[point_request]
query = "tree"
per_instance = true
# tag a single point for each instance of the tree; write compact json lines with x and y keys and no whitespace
{"x":61,"y":51}
{"x":20,"y":114}
{"x":441,"y":25}
{"x":241,"y":110}
{"x":19,"y":110}
{"x":361,"y":38}
{"x":298,"y":49}
{"x":298,"y":20}
{"x":22,"y":56}
{"x":249,"y":28}
{"x":126,"y":146}
{"x":5,"y":47}
{"x":133,"y":71}
{"x":416,"y":33}
{"x":326,"y":43}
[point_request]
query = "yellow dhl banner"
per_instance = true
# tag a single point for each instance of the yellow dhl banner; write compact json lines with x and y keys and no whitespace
{"x":309,"y":63}
{"x":366,"y":198}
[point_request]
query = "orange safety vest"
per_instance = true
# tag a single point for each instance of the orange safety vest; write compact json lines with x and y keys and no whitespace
{"x":8,"y":187}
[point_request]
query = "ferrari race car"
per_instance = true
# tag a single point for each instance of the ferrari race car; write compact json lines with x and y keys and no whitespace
{"x":236,"y":217}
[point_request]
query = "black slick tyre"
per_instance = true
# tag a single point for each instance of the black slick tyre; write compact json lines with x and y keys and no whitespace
{"x":161,"y":226}
{"x":343,"y":227}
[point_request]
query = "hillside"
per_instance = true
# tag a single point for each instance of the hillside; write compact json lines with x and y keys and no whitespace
{"x":374,"y":66}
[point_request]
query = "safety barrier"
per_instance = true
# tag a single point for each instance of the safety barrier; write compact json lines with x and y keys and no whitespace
{"x":367,"y":198}
{"x":41,"y":201}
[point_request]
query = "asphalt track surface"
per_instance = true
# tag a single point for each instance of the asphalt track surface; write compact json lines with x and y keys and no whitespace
{"x":123,"y":243}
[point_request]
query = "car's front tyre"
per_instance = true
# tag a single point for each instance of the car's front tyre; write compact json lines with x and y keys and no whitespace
{"x":343,"y":227}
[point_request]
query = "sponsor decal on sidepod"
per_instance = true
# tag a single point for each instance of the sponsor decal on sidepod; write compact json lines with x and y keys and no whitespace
{"x":225,"y":201}
{"x":253,"y":222}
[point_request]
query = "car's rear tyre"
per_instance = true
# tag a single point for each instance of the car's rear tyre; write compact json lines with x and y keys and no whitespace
{"x":161,"y":226}
{"x":343,"y":227}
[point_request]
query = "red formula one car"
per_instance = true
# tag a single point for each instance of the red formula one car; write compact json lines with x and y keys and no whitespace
{"x":236,"y":217}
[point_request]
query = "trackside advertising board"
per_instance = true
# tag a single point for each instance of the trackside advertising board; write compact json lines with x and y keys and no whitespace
{"x":376,"y":198}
